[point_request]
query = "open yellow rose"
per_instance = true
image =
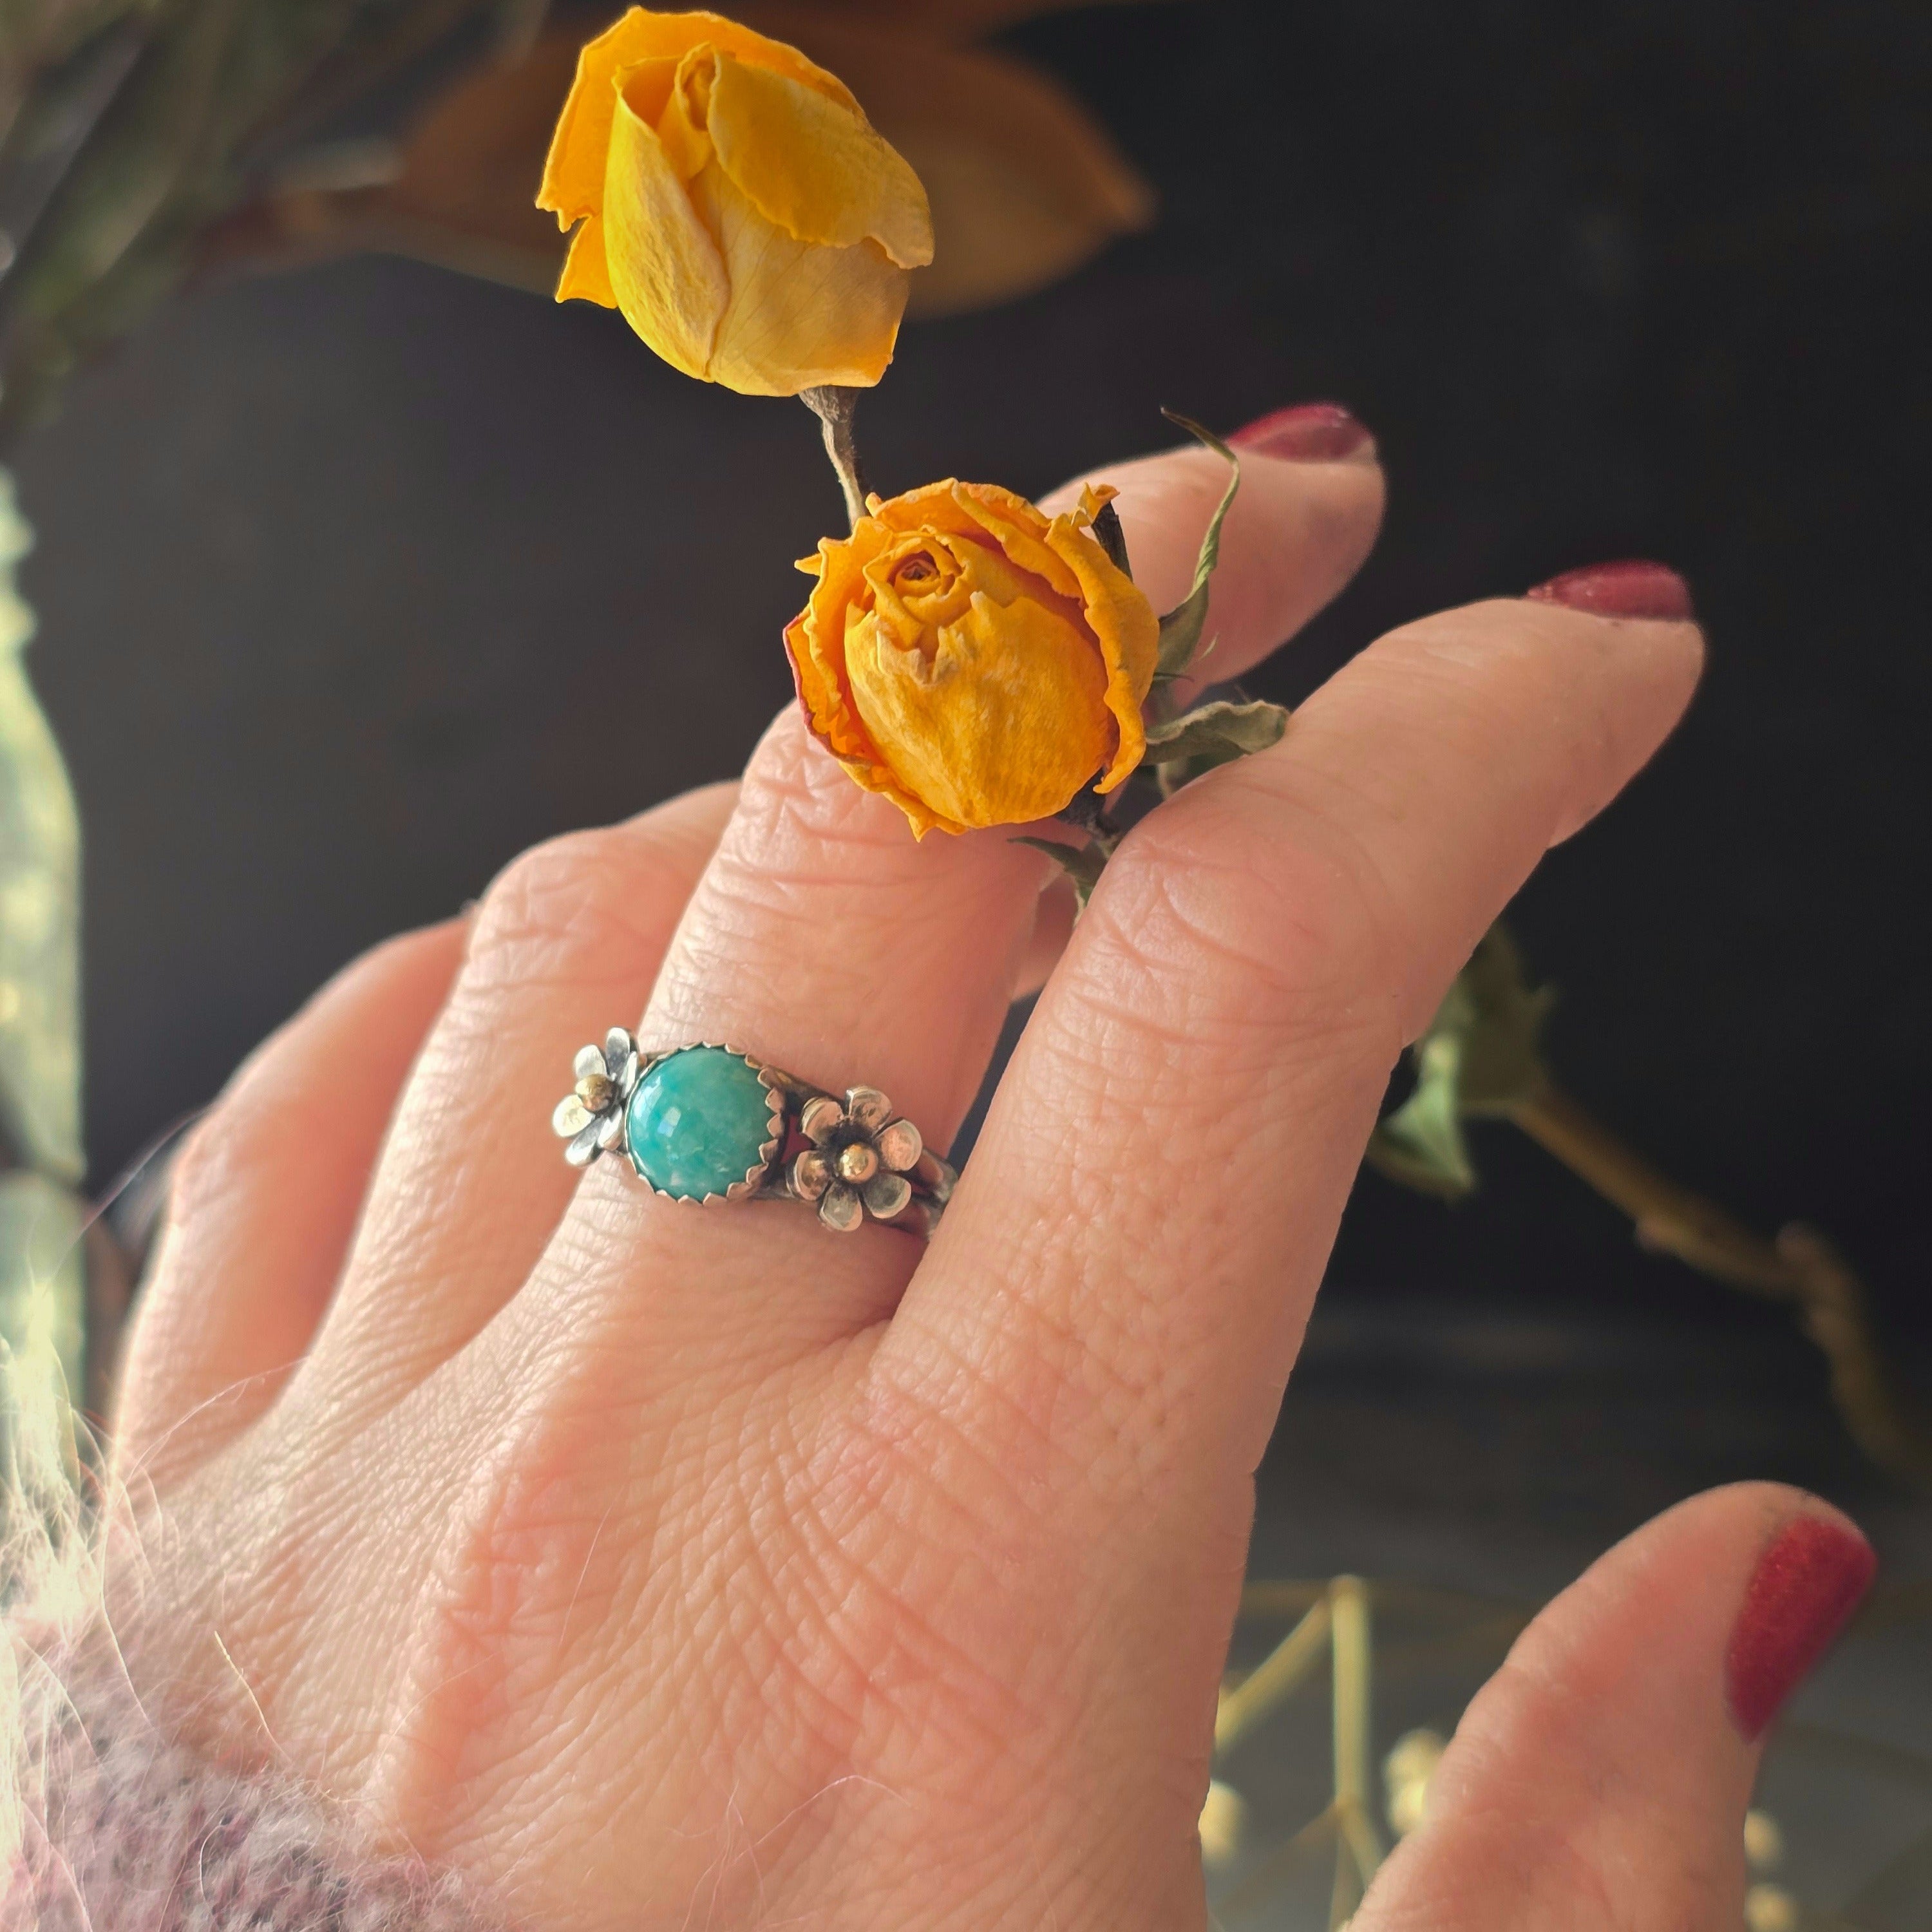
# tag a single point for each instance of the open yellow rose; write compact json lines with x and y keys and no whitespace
{"x":976,"y":662}
{"x":736,"y":204}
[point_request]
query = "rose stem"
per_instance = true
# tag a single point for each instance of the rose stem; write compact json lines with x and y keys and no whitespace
{"x":1800,"y":1268}
{"x":835,"y":407}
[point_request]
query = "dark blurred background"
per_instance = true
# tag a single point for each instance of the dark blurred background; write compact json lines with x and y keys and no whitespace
{"x":343,"y":573}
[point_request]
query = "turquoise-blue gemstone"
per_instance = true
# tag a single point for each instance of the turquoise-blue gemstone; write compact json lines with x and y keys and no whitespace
{"x":698,"y":1122}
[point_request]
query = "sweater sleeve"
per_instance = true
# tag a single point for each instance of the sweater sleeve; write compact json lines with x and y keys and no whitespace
{"x":110,"y":1825}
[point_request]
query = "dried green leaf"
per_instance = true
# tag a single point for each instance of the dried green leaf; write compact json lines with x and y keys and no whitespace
{"x":1421,"y":1144}
{"x":1082,"y":864}
{"x":1180,"y":628}
{"x":1480,"y":1058}
{"x":1502,"y":1058}
{"x":1217,"y":732}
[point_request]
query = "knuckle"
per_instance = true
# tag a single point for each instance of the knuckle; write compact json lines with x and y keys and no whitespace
{"x":529,"y":1569}
{"x":229,"y":1151}
{"x":797,"y":805}
{"x":583,"y":894}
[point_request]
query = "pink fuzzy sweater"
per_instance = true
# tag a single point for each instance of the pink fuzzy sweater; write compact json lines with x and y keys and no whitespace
{"x":114,"y":1828}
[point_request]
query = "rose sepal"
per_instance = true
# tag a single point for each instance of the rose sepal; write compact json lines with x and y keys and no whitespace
{"x":1082,"y":864}
{"x":1180,"y":629}
{"x":1177,"y":749}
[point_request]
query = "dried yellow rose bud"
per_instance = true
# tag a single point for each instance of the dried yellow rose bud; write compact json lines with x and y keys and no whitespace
{"x":977,"y":662}
{"x":736,"y":204}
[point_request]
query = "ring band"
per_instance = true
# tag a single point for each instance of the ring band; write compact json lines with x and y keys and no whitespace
{"x":707,"y":1123}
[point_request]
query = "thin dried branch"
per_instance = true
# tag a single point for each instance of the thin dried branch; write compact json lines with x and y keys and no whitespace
{"x":1482,"y":1059}
{"x":1800,"y":1268}
{"x":1277,"y":1677}
{"x":1670,"y":1219}
{"x":1359,"y":1850}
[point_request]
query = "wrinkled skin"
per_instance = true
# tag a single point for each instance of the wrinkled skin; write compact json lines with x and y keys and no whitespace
{"x":662,"y":1566}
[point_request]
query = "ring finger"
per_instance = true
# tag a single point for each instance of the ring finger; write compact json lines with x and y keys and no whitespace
{"x":823,"y":938}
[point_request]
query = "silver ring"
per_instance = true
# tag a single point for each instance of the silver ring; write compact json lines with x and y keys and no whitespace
{"x":707,"y":1122}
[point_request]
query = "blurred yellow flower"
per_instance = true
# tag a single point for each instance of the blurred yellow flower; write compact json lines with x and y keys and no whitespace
{"x":976,"y":662}
{"x":736,"y":204}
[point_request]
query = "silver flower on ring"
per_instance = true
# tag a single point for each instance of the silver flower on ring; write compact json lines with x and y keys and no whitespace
{"x":591,"y":1115}
{"x":858,"y":1160}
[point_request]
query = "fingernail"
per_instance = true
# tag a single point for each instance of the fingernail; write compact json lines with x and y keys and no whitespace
{"x":1631,"y":589}
{"x":1309,"y":433}
{"x":1805,"y":1586}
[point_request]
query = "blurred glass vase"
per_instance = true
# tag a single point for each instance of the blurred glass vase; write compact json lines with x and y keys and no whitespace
{"x":42,"y":1219}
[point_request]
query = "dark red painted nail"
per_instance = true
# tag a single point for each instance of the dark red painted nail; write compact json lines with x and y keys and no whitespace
{"x":1805,"y":1586}
{"x":1632,"y":589}
{"x":1309,"y":433}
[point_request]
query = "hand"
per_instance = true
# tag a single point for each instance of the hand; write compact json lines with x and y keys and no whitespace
{"x":661,"y":1566}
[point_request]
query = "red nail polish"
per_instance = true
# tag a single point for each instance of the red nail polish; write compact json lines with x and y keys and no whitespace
{"x":1633,"y":588}
{"x":1309,"y":433}
{"x":1805,"y":1586}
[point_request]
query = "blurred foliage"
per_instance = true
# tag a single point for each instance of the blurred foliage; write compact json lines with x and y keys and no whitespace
{"x":1481,"y":1059}
{"x":142,"y":139}
{"x":1025,"y":184}
{"x":134,"y":124}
